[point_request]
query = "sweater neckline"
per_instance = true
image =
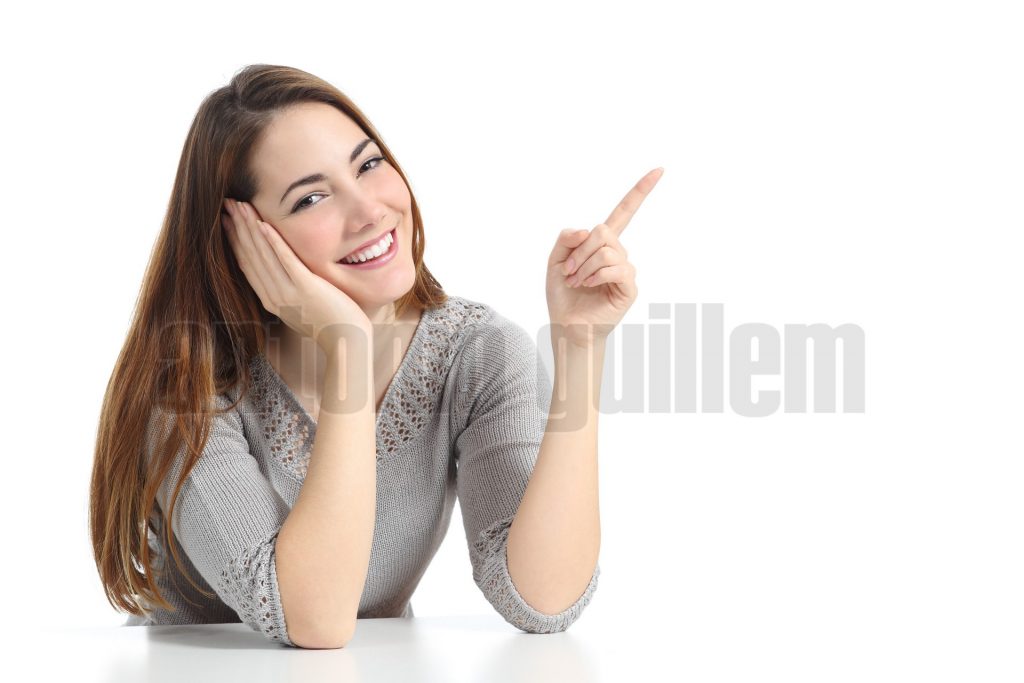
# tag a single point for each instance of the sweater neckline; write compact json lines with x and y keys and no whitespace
{"x":411,"y":353}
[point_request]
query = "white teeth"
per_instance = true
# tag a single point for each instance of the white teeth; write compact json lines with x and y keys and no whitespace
{"x":371,"y":253}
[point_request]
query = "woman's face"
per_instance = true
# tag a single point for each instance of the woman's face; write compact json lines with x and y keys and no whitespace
{"x":355,"y":198}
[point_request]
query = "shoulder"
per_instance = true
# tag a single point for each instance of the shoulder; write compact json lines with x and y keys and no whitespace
{"x":484,"y":333}
{"x":496,"y":353}
{"x":457,"y":317}
{"x":451,"y":328}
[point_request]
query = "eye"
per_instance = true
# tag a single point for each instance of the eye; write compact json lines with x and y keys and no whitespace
{"x":370,"y":161}
{"x":300,"y":205}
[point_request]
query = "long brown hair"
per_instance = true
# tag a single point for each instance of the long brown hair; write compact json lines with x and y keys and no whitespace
{"x":196,"y":325}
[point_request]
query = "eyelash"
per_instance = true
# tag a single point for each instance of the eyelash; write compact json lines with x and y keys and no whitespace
{"x":299,"y":206}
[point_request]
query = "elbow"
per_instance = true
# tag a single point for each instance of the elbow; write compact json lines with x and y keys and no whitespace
{"x":322,"y":639}
{"x":321,"y":644}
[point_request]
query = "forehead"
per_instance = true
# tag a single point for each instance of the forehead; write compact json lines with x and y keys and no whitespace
{"x":302,"y":139}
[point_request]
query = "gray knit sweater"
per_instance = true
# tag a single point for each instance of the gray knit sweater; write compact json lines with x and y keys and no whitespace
{"x":463,"y":418}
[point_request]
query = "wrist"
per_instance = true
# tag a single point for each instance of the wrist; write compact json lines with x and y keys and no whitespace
{"x":345,"y":341}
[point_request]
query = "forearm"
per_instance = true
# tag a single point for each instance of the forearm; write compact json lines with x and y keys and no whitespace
{"x":323,"y":549}
{"x":554,"y":542}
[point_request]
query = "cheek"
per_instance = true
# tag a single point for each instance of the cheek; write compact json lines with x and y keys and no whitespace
{"x":313,"y":244}
{"x":395,"y":189}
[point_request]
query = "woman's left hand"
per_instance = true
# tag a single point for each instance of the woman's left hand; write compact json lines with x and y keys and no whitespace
{"x":590,"y":284}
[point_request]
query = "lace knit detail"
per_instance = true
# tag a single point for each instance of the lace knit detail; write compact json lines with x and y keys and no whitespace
{"x":287,"y":432}
{"x":243,"y":576}
{"x":410,"y":401}
{"x":418,"y":385}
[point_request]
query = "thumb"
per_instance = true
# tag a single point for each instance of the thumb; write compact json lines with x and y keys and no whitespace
{"x":567,"y":241}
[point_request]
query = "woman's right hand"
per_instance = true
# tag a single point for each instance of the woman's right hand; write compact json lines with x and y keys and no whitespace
{"x":303,"y":300}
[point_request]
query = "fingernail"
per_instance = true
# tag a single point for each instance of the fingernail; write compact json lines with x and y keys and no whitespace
{"x":570,"y":265}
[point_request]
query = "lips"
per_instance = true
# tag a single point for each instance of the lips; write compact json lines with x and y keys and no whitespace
{"x":383,"y":258}
{"x":365,"y":245}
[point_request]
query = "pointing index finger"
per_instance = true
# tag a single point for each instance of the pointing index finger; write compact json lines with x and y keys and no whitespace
{"x":620,"y":216}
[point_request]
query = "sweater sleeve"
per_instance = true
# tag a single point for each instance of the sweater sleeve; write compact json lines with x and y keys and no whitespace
{"x":505,"y":395}
{"x":226,"y":518}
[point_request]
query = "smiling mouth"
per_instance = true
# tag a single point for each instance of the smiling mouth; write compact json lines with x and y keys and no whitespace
{"x":390,"y":247}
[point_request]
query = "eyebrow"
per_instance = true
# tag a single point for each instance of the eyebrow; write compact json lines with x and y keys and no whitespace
{"x":320,"y":177}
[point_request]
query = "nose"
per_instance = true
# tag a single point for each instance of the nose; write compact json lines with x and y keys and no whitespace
{"x":366,"y":214}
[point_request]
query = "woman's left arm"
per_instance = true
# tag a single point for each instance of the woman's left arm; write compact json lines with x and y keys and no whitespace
{"x":554,"y":541}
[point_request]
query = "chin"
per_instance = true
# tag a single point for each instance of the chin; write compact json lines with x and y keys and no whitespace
{"x":395,"y":286}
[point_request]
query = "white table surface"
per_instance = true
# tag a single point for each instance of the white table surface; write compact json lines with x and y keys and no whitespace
{"x":483,"y":648}
{"x":654,"y":646}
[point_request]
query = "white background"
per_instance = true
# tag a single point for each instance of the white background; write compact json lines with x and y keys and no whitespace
{"x":825,"y":162}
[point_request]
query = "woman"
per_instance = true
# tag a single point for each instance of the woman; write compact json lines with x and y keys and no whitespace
{"x":296,"y":504}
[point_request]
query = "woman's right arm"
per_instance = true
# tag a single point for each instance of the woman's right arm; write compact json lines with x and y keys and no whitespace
{"x":323,"y":549}
{"x":296,"y":576}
